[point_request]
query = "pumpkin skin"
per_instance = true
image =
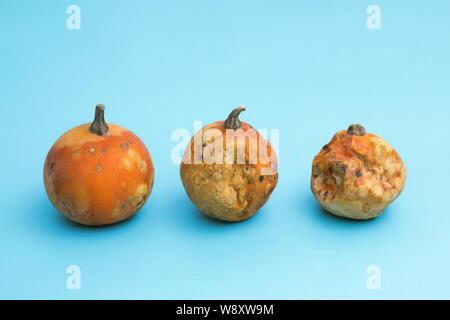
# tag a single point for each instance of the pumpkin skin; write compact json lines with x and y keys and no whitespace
{"x":229,"y":192}
{"x":357,"y":176}
{"x":98,"y":179}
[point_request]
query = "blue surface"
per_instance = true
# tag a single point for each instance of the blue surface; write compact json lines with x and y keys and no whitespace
{"x":306,"y":69}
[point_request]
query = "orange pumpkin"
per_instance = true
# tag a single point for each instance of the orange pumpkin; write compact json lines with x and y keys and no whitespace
{"x":229,"y":190}
{"x":357,"y":174}
{"x":98,"y":173}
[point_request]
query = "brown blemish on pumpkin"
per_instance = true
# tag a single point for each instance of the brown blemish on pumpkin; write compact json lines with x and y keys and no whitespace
{"x":340,"y":168}
{"x":76,"y":153}
{"x":125,"y":163}
{"x":115,"y":213}
{"x":142,"y":166}
{"x":125,"y":145}
{"x":315,"y":170}
{"x":126,"y":202}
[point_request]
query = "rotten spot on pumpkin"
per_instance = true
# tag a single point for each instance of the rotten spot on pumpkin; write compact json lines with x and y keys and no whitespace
{"x":115,"y":213}
{"x":340,"y":168}
{"x":142,"y":166}
{"x":358,"y":173}
{"x":52,"y":165}
{"x":315,"y":170}
{"x":125,"y":204}
{"x":125,"y":145}
{"x":261,"y":178}
{"x":325,"y":147}
{"x":125,"y":164}
{"x":76,"y":153}
{"x":140,"y":202}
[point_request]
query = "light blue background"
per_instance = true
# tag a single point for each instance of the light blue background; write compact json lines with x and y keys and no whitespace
{"x":308,"y":68}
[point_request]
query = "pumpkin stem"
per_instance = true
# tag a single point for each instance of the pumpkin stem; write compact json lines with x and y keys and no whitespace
{"x":233,"y":121}
{"x":356,"y":130}
{"x":99,"y":126}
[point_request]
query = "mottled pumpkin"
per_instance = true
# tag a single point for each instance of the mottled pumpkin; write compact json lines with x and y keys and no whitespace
{"x":229,"y":190}
{"x":357,"y":174}
{"x":98,"y":173}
